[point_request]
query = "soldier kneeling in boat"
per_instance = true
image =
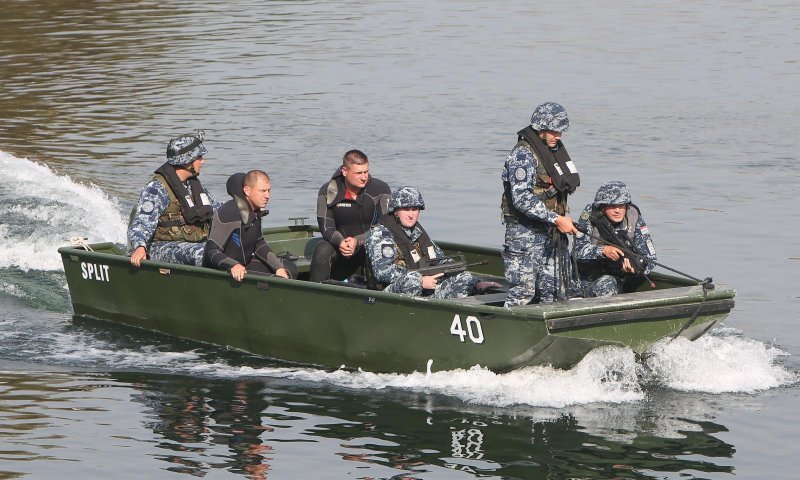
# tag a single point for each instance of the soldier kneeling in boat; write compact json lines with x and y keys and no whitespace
{"x":236,"y":242}
{"x":614,"y":225}
{"x":397,"y":245}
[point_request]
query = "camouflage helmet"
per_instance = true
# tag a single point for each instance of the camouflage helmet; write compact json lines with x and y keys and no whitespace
{"x":406,"y":197}
{"x":612,"y":193}
{"x":550,"y":116}
{"x":184,"y":150}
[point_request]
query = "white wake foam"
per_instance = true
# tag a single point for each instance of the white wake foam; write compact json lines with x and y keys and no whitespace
{"x":723,"y":361}
{"x":41,"y":210}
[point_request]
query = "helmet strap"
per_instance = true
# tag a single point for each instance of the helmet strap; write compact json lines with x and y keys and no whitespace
{"x":190,"y":168}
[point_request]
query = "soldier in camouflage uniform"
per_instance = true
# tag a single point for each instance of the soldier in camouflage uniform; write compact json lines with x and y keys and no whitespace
{"x":397,"y":243}
{"x":171,"y":221}
{"x":538,"y":175}
{"x":603,"y":267}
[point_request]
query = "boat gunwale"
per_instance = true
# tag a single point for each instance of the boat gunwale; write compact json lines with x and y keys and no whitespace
{"x":649,"y":314}
{"x":260,"y":279}
{"x":576,"y":308}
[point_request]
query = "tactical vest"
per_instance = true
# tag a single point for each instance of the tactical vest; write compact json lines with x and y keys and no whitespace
{"x":544,"y":188}
{"x":559,"y":166}
{"x":423,"y":246}
{"x":172,"y":226}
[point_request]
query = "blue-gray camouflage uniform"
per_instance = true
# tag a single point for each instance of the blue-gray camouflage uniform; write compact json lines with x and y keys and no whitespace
{"x":382,"y":252}
{"x":600,"y":276}
{"x":529,"y":253}
{"x":153,"y":199}
{"x":526,"y":248}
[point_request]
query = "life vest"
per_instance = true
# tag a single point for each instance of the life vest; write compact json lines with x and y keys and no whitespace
{"x":556,"y":178}
{"x":410,"y":253}
{"x":187,"y":217}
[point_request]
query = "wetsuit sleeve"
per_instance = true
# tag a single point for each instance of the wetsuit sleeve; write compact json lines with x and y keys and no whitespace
{"x":214,"y":255}
{"x":264,"y":253}
{"x":360,"y":239}
{"x":382,"y":252}
{"x":327,"y":223}
{"x":583,"y":248}
{"x":644,"y":243}
{"x":520,"y":173}
{"x":153,"y":200}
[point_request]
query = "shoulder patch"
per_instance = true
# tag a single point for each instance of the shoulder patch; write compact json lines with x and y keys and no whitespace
{"x":585,"y":215}
{"x":147,"y":207}
{"x":520,"y":174}
{"x":387,"y":251}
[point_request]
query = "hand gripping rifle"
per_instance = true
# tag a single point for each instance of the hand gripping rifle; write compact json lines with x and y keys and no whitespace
{"x":706,"y":283}
{"x":635,"y":258}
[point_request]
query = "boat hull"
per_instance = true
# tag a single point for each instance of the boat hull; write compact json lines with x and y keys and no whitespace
{"x":337,"y":325}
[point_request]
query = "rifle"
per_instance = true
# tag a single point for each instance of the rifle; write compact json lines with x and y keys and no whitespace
{"x":635,"y":258}
{"x":457,"y":264}
{"x":706,"y":282}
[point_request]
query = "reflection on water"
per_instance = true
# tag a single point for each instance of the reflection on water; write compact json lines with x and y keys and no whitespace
{"x":192,"y":421}
{"x":255,"y":429}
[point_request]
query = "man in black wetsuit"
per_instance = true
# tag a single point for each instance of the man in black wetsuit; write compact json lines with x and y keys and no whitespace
{"x":236,"y":242}
{"x":347,"y":206}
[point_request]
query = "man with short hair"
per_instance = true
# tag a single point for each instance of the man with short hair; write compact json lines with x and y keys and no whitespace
{"x":172,"y":218}
{"x":236,"y":242}
{"x":538,"y":176}
{"x":347,"y":206}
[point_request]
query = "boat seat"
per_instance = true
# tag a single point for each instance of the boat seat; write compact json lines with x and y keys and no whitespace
{"x":303,"y":264}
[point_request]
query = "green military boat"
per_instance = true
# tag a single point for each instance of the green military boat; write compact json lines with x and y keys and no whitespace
{"x":337,"y":324}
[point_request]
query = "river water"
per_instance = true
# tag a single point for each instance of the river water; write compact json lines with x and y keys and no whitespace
{"x":693,"y":104}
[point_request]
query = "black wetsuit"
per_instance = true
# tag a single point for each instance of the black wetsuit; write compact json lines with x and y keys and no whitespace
{"x":339,"y":218}
{"x":233,"y":241}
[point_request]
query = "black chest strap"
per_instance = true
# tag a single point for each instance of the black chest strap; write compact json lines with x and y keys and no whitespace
{"x":558,"y":164}
{"x":422,"y":246}
{"x":199,"y":212}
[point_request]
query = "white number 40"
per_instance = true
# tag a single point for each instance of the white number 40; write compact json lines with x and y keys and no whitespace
{"x":474,"y":329}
